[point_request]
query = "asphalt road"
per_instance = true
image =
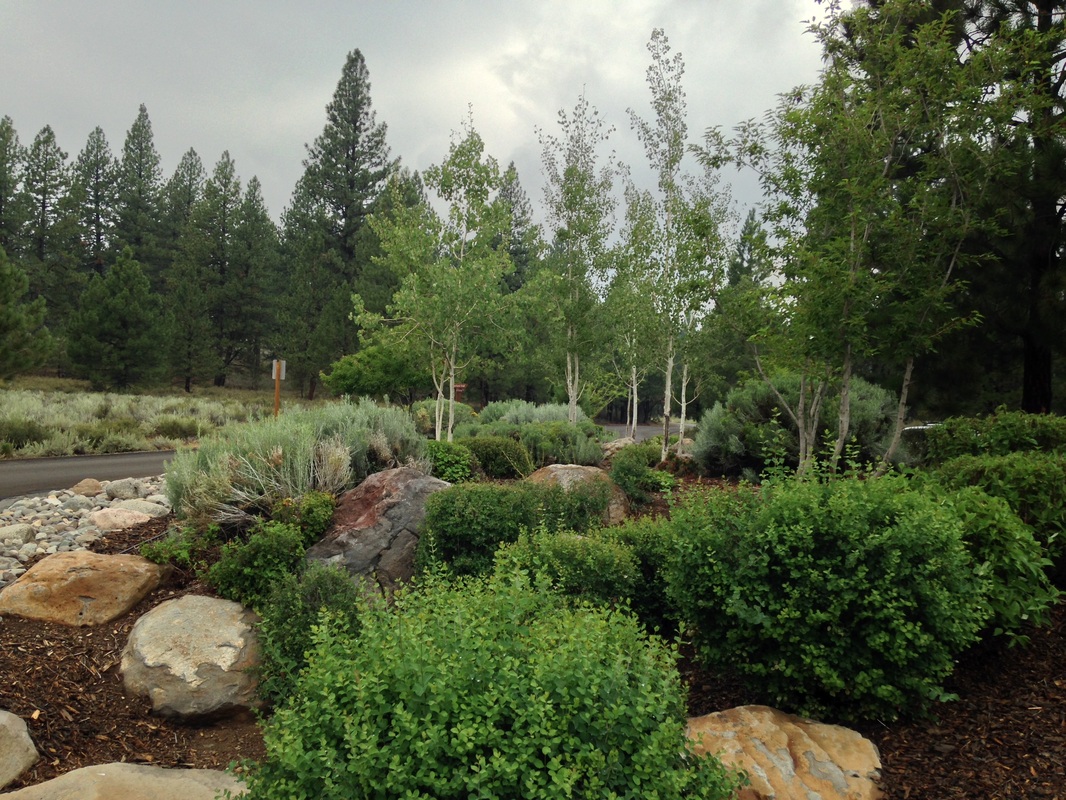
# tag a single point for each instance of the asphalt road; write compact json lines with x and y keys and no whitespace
{"x":28,"y":476}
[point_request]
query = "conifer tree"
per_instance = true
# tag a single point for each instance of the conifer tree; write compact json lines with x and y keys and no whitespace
{"x":117,"y":337}
{"x":94,"y":191}
{"x":12,"y":164}
{"x":24,"y":341}
{"x":139,"y":186}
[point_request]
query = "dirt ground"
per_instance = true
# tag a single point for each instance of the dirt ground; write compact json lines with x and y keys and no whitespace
{"x":1005,"y":737}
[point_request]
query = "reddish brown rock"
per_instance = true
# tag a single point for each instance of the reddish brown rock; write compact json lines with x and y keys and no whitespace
{"x":376,"y":526}
{"x":81,"y":588}
{"x":785,"y":756}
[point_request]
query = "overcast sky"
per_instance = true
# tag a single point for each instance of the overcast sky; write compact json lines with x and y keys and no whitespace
{"x":254,"y":77}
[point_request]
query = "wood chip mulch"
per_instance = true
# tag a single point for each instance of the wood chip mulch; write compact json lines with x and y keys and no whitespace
{"x":1005,"y":739}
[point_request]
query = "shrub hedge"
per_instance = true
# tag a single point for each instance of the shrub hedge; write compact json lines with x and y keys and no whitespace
{"x":848,"y":599}
{"x":490,"y":690}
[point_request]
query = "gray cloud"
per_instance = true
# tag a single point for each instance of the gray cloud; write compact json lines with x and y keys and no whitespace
{"x":254,"y":78}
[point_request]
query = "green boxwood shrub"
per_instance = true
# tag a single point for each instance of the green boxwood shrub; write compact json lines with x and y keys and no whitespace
{"x":311,"y":513}
{"x":500,"y":457}
{"x":186,"y":548}
{"x":998,"y":434}
{"x":290,"y":609}
{"x":246,"y":570}
{"x":452,"y":462}
{"x":600,"y":570}
{"x":486,"y":689}
{"x":1034,"y":486}
{"x":1005,"y":548}
{"x":466,"y":523}
{"x":649,"y":540}
{"x":849,"y":599}
{"x":631,"y":469}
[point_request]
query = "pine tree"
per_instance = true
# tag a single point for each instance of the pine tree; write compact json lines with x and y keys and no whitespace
{"x":12,"y":207}
{"x":117,"y":337}
{"x":139,"y":186}
{"x":324,"y":230}
{"x":24,"y":341}
{"x":94,"y":190}
{"x":51,"y":241}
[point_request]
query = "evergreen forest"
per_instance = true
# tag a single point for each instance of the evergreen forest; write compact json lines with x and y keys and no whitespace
{"x":911,"y":236}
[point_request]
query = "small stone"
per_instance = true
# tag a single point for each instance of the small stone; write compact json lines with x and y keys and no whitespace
{"x":88,"y":487}
{"x":21,"y":533}
{"x":117,"y":519}
{"x":77,"y":503}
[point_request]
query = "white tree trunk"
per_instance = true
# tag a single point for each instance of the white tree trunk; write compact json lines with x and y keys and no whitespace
{"x":844,"y":417}
{"x":631,"y":429}
{"x":451,"y":394}
{"x":684,"y":409}
{"x":668,"y":392}
{"x":573,"y":385}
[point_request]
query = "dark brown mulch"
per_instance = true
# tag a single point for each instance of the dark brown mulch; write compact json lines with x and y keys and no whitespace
{"x":1005,"y":739}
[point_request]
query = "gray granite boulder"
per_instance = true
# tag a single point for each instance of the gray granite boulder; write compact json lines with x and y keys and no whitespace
{"x":132,"y":782}
{"x":17,"y":753}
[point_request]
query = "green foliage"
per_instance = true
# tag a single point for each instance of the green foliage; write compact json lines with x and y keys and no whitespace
{"x":649,"y":540}
{"x":312,"y":513}
{"x":750,"y":429}
{"x":246,"y":469}
{"x":600,"y":570}
{"x":631,"y":469}
{"x":246,"y":570}
{"x":1032,"y":483}
{"x":849,"y":598}
{"x":375,"y":371}
{"x":175,"y":427}
{"x":485,"y":689}
{"x":466,"y":523}
{"x":998,"y":434}
{"x":424,"y":414}
{"x":24,"y":341}
{"x":290,"y":610}
{"x":19,"y":432}
{"x":186,"y":548}
{"x":117,"y":336}
{"x":499,"y":456}
{"x":520,"y":412}
{"x":452,"y":462}
{"x":1020,"y":592}
{"x":562,"y":443}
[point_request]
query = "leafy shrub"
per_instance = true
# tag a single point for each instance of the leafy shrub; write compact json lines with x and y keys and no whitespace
{"x":749,"y":428}
{"x":452,"y":462}
{"x":648,"y":539}
{"x":1034,"y":486}
{"x":1005,"y":549}
{"x":466,"y":523}
{"x":522,"y":412}
{"x":631,"y":469}
{"x":424,"y":414}
{"x":485,"y":690}
{"x":850,"y":598}
{"x":21,"y":432}
{"x":291,"y":608}
{"x":600,"y":570}
{"x":186,"y":548}
{"x":499,"y":456}
{"x":175,"y":427}
{"x":246,"y":570}
{"x":311,"y":513}
{"x":998,"y":434}
{"x":562,"y":443}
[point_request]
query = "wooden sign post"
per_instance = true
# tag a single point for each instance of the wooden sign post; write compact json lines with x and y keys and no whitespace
{"x":278,"y":374}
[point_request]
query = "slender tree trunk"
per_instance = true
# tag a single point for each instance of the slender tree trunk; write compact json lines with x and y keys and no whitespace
{"x":451,"y":393}
{"x":668,"y":392}
{"x":901,"y":415}
{"x":573,"y":383}
{"x":684,"y":409}
{"x":632,"y":428}
{"x":844,"y":416}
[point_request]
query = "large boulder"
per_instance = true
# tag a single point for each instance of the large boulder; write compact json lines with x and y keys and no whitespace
{"x":786,"y":756}
{"x":117,"y":519}
{"x":568,"y":475}
{"x":126,"y":489}
{"x":133,"y":782}
{"x":193,"y":658}
{"x":376,"y":526}
{"x":81,"y":588}
{"x":89,"y":487}
{"x":17,"y":753}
